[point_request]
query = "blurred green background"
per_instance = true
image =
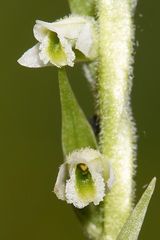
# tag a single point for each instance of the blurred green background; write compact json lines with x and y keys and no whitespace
{"x":30,"y":146}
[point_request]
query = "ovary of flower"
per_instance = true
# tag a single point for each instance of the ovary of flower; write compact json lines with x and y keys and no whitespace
{"x":57,"y":42}
{"x":85,"y":177}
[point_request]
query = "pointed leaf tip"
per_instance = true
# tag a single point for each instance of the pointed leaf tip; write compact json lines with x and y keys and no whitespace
{"x":132,"y":227}
{"x":76,"y":131}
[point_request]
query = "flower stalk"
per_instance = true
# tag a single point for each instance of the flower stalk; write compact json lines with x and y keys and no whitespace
{"x":117,"y":137}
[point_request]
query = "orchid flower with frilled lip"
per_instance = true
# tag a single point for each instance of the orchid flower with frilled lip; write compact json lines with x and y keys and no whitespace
{"x":61,"y":42}
{"x":84,"y":178}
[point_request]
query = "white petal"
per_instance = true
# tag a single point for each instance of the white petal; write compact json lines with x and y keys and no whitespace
{"x":40,"y":32}
{"x":100,"y":188}
{"x":60,"y":185}
{"x":68,"y":51}
{"x":84,"y":155}
{"x":69,"y":27}
{"x":31,"y":58}
{"x":85,"y":40}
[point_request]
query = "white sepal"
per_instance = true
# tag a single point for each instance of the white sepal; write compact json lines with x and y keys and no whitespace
{"x":60,"y":185}
{"x":31,"y":58}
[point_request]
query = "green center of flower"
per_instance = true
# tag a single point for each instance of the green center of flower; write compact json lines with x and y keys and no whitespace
{"x":84,"y":182}
{"x":55,"y":50}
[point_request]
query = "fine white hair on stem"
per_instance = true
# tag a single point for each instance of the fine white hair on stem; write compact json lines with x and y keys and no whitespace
{"x":117,"y":137}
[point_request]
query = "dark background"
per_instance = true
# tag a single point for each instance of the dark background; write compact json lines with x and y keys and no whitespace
{"x":30,"y":146}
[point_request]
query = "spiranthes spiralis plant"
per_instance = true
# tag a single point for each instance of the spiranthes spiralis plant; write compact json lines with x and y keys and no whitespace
{"x":99,"y":164}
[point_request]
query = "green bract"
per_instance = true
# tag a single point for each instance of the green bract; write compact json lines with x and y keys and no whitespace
{"x":76,"y":131}
{"x":132,"y":227}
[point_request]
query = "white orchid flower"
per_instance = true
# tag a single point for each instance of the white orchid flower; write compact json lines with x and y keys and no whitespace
{"x":84,"y":178}
{"x":60,"y":41}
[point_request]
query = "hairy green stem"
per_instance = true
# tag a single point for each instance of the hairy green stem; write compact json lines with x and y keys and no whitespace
{"x":117,"y":137}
